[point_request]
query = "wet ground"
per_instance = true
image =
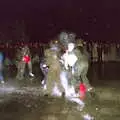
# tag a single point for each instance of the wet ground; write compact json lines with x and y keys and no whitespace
{"x":25,"y":101}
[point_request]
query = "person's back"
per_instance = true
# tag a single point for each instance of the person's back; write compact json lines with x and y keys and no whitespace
{"x":82,"y":54}
{"x":53,"y":76}
{"x":52,"y":59}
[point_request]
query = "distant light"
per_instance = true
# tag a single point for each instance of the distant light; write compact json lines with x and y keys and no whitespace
{"x":108,"y":26}
{"x":56,"y":41}
{"x":86,"y":33}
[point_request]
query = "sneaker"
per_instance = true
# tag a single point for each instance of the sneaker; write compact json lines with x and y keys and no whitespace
{"x":90,"y":89}
{"x":43,"y":82}
{"x":44,"y":87}
{"x":31,"y":74}
{"x":2,"y":82}
{"x":88,"y":117}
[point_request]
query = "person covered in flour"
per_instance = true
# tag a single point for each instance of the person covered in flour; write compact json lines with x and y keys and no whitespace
{"x":53,"y":83}
{"x":68,"y":60}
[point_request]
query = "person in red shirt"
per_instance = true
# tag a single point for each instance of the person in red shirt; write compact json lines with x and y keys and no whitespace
{"x":24,"y":60}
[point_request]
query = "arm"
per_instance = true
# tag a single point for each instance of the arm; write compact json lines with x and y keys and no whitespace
{"x":65,"y":61}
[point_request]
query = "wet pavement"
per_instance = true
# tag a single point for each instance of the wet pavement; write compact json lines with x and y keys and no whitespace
{"x":24,"y":105}
{"x":23,"y":101}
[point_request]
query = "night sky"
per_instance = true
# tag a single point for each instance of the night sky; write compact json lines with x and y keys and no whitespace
{"x":89,"y":19}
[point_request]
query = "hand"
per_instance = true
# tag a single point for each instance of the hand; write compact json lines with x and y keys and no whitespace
{"x":61,"y":61}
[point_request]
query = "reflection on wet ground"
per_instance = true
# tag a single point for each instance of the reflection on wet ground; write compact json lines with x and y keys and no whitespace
{"x":28,"y":103}
{"x":104,"y":71}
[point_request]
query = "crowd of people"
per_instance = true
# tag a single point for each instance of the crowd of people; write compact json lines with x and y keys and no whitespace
{"x":64,"y":65}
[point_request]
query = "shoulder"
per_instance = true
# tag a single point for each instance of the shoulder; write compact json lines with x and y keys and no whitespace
{"x":76,"y":50}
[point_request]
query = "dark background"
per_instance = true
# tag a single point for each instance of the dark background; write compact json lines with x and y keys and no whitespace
{"x":95,"y":20}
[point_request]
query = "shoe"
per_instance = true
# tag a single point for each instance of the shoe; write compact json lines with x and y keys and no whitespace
{"x":90,"y":89}
{"x":44,"y":87}
{"x":88,"y":117}
{"x":31,"y":74}
{"x":43,"y":82}
{"x":2,"y":82}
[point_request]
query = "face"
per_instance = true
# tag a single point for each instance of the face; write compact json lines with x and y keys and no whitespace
{"x":66,"y":37}
{"x":71,"y":46}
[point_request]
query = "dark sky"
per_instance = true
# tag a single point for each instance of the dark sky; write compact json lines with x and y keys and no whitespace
{"x":90,"y":19}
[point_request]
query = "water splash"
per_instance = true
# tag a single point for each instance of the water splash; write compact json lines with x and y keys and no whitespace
{"x":7,"y":89}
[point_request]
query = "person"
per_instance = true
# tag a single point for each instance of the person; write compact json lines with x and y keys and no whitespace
{"x":68,"y":59}
{"x":53,"y":75}
{"x":82,"y":64}
{"x":44,"y":68}
{"x":1,"y":68}
{"x":75,"y":61}
{"x":23,"y":59}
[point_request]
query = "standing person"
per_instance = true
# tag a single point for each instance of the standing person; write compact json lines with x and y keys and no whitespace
{"x":82,"y":64}
{"x":69,"y":60}
{"x":76,"y":61}
{"x":53,"y":75}
{"x":1,"y":68}
{"x":44,"y":68}
{"x":99,"y":50}
{"x":70,"y":77}
{"x":23,"y":59}
{"x":94,"y":52}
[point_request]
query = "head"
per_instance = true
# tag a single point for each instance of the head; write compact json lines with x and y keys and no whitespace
{"x":80,"y":42}
{"x":63,"y":36}
{"x":54,"y":45}
{"x":25,"y":50}
{"x":72,"y":37}
{"x":66,"y":38}
{"x":71,"y":46}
